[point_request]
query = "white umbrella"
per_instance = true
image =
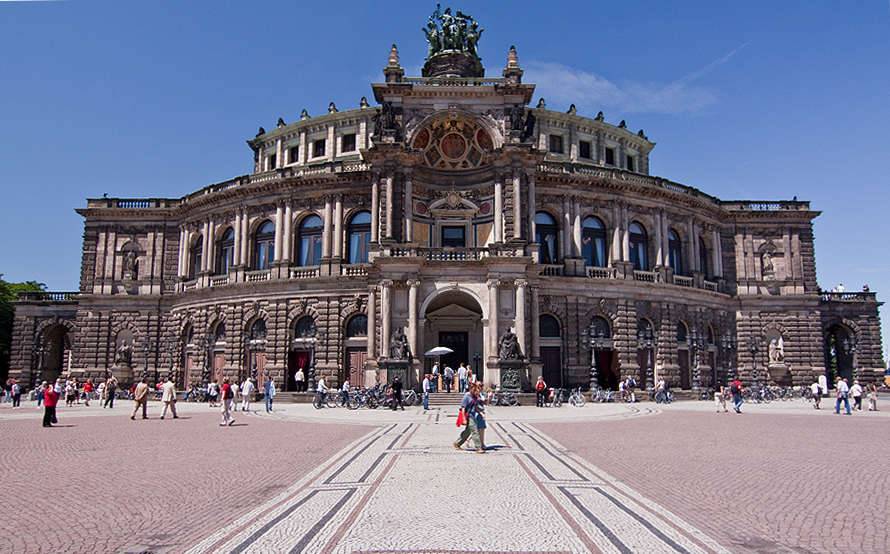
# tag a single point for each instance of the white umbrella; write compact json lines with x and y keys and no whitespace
{"x":438,"y":351}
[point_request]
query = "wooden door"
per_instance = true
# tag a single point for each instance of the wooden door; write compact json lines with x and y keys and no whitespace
{"x":551,"y":362}
{"x":219,"y":360}
{"x":356,"y":358}
{"x":683,"y":362}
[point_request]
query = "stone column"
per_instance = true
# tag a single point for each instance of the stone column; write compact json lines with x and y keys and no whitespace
{"x":690,"y":225}
{"x":536,"y":331}
{"x":521,"y":284}
{"x":409,"y":208}
{"x":183,"y":240}
{"x":413,"y":285}
{"x":659,"y":250}
{"x":205,"y":246}
{"x":375,"y":208}
{"x":717,"y":253}
{"x":338,"y":227}
{"x":576,"y":235}
{"x":303,"y":147}
{"x":245,"y":239}
{"x":616,"y":235}
{"x":326,"y":233}
{"x":236,"y":255}
{"x":389,"y":214}
{"x":566,"y":235}
{"x":385,"y":316}
{"x":530,"y":180}
{"x":625,"y":240}
{"x":517,"y":205}
{"x":279,"y":223}
{"x":287,"y":233}
{"x":279,"y":153}
{"x":493,"y":317}
{"x":498,"y":208}
{"x":372,"y":322}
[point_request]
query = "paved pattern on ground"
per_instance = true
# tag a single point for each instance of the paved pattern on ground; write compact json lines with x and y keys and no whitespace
{"x":603,"y":478}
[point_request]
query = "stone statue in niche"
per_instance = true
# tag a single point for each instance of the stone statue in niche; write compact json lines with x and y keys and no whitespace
{"x":124,"y":354}
{"x":777,"y":351}
{"x":767,"y":270}
{"x":131,"y":264}
{"x":398,"y":345}
{"x":509,"y":346}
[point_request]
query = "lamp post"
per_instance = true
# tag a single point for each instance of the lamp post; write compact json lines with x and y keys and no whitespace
{"x":205,"y":345}
{"x":594,"y":337}
{"x":312,"y":341}
{"x":754,"y":348}
{"x":696,"y":343}
{"x":171,"y":347}
{"x":646,"y":340}
{"x":43,"y":347}
{"x":852,"y":347}
{"x":148,"y":346}
{"x":729,"y":344}
{"x":477,"y":367}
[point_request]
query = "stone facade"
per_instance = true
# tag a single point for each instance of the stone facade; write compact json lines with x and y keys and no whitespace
{"x":451,"y":214}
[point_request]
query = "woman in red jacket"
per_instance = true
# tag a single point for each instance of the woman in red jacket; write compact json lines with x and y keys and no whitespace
{"x":50,"y":399}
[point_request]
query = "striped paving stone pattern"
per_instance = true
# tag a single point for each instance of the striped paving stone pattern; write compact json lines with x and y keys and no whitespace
{"x":403,"y":488}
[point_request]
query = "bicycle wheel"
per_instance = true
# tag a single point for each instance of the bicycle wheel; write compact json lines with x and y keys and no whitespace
{"x":317,"y":402}
{"x":372,"y":402}
{"x":577,"y":400}
{"x":510,"y":399}
{"x":330,"y":400}
{"x":410,"y":398}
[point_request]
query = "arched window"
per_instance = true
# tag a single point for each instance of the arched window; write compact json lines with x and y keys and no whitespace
{"x":305,"y":327}
{"x":703,"y":256}
{"x":219,"y":334}
{"x":601,"y":327}
{"x":264,"y":245}
{"x":639,"y":247}
{"x":357,"y":327}
{"x":710,"y":336}
{"x":681,"y":332}
{"x":196,"y":257}
{"x":675,"y":252}
{"x":546,"y":235}
{"x":225,"y":252}
{"x":258,"y":330}
{"x":548,"y":326}
{"x":359,"y":234}
{"x":309,"y":245}
{"x":593,"y":242}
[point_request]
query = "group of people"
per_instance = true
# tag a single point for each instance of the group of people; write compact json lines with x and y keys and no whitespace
{"x":464,"y":376}
{"x":12,"y":392}
{"x":472,"y":417}
{"x":843,"y":392}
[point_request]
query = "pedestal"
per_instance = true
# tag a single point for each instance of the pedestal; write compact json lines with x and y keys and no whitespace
{"x":397,"y":368}
{"x":510,"y":373}
{"x":780,"y":374}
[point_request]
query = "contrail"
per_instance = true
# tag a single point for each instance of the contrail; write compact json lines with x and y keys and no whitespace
{"x":708,"y":69}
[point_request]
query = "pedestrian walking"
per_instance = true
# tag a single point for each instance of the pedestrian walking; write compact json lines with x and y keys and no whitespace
{"x":856,"y":393}
{"x":140,"y":395}
{"x":872,"y":391}
{"x":50,"y":399}
{"x":480,"y":412}
{"x":16,"y":394}
{"x":462,"y":378}
{"x":226,"y":395}
{"x":40,"y":393}
{"x":468,"y":407}
{"x":236,"y":394}
{"x":168,"y":397}
{"x":449,"y":378}
{"x":87,"y":391}
{"x":344,"y":392}
{"x":246,"y":392}
{"x":396,"y":402}
{"x":540,"y":392}
{"x":213,"y":392}
{"x":300,"y":378}
{"x":110,"y":392}
{"x":268,"y":393}
{"x":720,"y":399}
{"x":426,"y":391}
{"x":816,"y":392}
{"x":436,"y":375}
{"x":736,"y":389}
{"x":842,"y":393}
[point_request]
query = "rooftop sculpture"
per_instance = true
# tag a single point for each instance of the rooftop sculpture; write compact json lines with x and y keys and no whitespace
{"x":457,"y":32}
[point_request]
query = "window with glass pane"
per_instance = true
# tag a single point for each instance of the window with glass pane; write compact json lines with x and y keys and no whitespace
{"x":310,"y":242}
{"x":703,"y":256}
{"x":348,"y":143}
{"x":359,"y":233}
{"x":545,"y":235}
{"x":548,"y":326}
{"x":220,"y":334}
{"x":454,"y":237}
{"x":593,"y":242}
{"x":675,"y":252}
{"x":226,"y":252}
{"x":264,"y":245}
{"x":639,"y":247}
{"x":357,"y":327}
{"x":196,"y":256}
{"x":305,"y":327}
{"x":681,"y":331}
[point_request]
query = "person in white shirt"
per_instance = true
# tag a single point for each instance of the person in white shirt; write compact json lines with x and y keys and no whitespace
{"x":168,"y":396}
{"x":856,"y":393}
{"x":449,"y":378}
{"x":344,"y":391}
{"x":436,"y":377}
{"x":462,"y":378}
{"x":816,"y":392}
{"x":300,"y":378}
{"x":246,"y":392}
{"x":426,"y":391}
{"x":843,"y":393}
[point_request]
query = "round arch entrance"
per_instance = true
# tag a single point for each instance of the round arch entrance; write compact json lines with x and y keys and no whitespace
{"x":839,"y":355}
{"x":454,"y":319}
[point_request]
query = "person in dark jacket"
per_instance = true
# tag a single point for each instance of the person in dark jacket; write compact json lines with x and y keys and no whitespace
{"x":397,"y":394}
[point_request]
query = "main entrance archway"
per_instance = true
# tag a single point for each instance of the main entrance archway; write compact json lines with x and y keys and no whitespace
{"x":454,"y":318}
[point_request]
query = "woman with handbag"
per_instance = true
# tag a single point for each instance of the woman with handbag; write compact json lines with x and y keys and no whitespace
{"x":467,"y":416}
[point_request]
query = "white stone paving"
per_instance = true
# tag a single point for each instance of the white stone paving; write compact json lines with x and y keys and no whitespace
{"x":404,"y":488}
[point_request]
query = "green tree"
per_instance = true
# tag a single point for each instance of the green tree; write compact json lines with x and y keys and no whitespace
{"x":8,"y":294}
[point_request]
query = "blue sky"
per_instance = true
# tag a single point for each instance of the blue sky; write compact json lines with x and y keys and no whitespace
{"x":746,"y":100}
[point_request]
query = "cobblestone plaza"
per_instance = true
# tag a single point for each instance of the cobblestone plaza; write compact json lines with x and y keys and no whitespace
{"x":779,"y":478}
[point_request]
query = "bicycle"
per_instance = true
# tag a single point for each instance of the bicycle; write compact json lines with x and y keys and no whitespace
{"x":577,"y":398}
{"x":554,"y":400}
{"x":502,"y":398}
{"x":603,"y":395}
{"x":706,"y":394}
{"x":664,"y":396}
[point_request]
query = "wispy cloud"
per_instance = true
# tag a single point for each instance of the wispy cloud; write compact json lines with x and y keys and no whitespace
{"x":561,"y":85}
